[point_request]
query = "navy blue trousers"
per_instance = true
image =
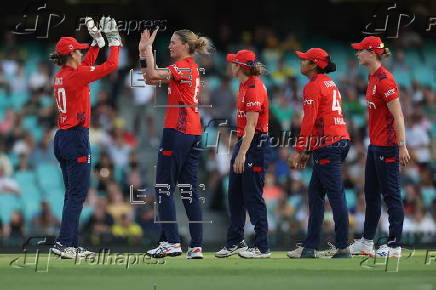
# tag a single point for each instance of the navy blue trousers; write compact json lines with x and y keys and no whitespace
{"x":327,"y":179}
{"x":71,"y":148}
{"x":382,"y":178}
{"x":245,"y":193}
{"x":177,"y":166}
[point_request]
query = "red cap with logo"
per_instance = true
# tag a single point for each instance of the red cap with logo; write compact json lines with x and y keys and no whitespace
{"x":317,"y":55}
{"x":67,"y":45}
{"x":246,"y":58}
{"x":373,"y":43}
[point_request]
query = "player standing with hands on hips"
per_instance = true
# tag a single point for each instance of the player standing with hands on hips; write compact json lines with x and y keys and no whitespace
{"x":386,"y":151}
{"x":324,"y":135}
{"x":249,"y":160}
{"x":178,"y":157}
{"x":71,"y":142}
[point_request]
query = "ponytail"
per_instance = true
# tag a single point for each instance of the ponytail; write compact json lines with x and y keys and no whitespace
{"x":203,"y":45}
{"x":257,"y":69}
{"x":197,"y":44}
{"x":59,"y":59}
{"x":331,"y":67}
{"x":385,"y":54}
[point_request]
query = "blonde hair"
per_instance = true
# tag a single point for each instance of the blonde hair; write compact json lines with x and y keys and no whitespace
{"x":257,"y":69}
{"x":386,"y":53}
{"x":197,"y":44}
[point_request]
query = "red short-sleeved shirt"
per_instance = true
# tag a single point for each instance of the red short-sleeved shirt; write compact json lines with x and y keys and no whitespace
{"x":252,"y":97}
{"x":183,"y":89}
{"x":323,"y":123}
{"x":382,"y":89}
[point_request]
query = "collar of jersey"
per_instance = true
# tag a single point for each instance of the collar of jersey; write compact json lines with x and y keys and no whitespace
{"x":377,"y":71}
{"x":246,"y":82}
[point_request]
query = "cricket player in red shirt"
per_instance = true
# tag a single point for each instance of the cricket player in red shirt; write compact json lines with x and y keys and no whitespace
{"x":386,"y":151}
{"x":179,"y":153}
{"x":71,"y":142}
{"x":249,"y":160}
{"x":324,"y":135}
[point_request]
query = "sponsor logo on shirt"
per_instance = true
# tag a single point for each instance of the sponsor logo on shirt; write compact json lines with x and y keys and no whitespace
{"x":390,"y":92}
{"x":308,"y":102}
{"x":256,"y":103}
{"x":374,"y":89}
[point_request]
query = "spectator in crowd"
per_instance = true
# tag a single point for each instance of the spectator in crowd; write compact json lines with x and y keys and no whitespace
{"x":125,"y":228}
{"x":45,"y":223}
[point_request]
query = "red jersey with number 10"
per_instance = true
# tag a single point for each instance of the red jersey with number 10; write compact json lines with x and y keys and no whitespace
{"x":252,"y":97}
{"x":71,"y":88}
{"x":323,"y":123}
{"x":183,"y":90}
{"x":381,"y":90}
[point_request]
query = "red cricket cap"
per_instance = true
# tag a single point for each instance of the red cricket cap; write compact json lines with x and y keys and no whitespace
{"x":246,"y":58}
{"x":67,"y":45}
{"x":373,"y":43}
{"x":317,"y":55}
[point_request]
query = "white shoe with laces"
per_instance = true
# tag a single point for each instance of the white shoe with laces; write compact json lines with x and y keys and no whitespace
{"x":254,"y":253}
{"x":235,"y":249}
{"x":362,"y":246}
{"x":386,"y":251}
{"x":83,"y":253}
{"x":297,"y":252}
{"x":194,"y":253}
{"x":165,"y":249}
{"x":330,"y":252}
{"x":64,"y":252}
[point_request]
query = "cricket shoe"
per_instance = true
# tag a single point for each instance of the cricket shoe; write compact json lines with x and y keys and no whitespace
{"x":302,"y":253}
{"x":166,"y":249}
{"x":330,"y":252}
{"x":194,"y":253}
{"x":235,"y":249}
{"x":386,"y":251}
{"x":362,"y":247}
{"x":63,"y":251}
{"x":254,"y":253}
{"x":83,"y":253}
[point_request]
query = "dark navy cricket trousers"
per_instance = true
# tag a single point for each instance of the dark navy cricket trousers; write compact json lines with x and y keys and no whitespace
{"x":245,"y":193}
{"x":382,"y":178}
{"x":327,"y":179}
{"x":71,"y":148}
{"x":177,"y":166}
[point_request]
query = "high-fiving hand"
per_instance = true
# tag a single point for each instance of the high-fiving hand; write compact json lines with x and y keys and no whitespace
{"x":110,"y":28}
{"x":95,"y":33}
{"x":147,"y":39}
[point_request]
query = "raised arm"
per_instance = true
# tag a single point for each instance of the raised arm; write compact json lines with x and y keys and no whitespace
{"x":91,"y":55}
{"x":151,"y":74}
{"x":88,"y":74}
{"x":97,"y":42}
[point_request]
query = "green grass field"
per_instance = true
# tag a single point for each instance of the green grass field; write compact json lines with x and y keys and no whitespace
{"x":279,"y":272}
